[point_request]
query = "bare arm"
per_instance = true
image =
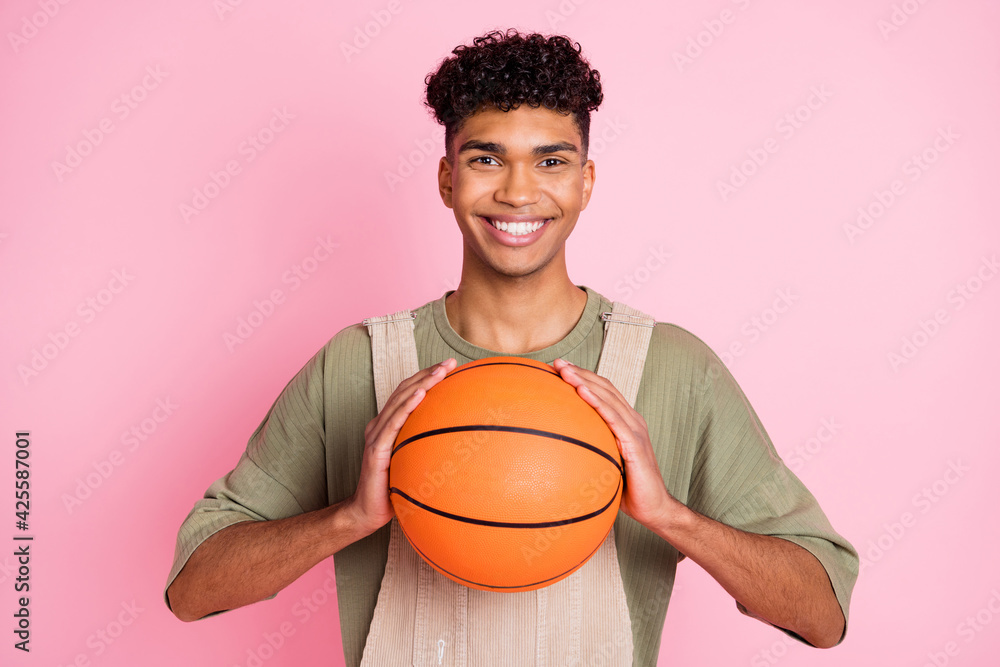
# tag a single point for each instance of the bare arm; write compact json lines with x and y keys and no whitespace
{"x":775,"y":580}
{"x":252,"y":560}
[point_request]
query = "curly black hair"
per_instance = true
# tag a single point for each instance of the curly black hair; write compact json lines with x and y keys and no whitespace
{"x":507,"y":69}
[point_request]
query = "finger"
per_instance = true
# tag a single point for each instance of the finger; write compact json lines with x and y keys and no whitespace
{"x":436,"y":371}
{"x":404,"y":400}
{"x":576,"y":376}
{"x":393,"y":420}
{"x":605,"y":396}
{"x":424,"y":379}
{"x":626,"y":424}
{"x":608,"y":413}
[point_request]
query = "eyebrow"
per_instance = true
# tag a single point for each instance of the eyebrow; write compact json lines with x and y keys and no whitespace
{"x":500,"y":149}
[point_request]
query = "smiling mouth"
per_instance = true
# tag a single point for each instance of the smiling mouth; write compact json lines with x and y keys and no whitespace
{"x":517,"y":228}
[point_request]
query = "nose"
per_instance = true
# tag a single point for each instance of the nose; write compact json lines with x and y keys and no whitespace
{"x":519,"y":187}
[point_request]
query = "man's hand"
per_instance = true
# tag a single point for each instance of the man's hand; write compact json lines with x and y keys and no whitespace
{"x":775,"y":580}
{"x":276,"y":553}
{"x":645,"y":497}
{"x":370,"y":503}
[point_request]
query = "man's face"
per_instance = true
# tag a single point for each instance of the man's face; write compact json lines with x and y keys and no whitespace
{"x":522,"y":170}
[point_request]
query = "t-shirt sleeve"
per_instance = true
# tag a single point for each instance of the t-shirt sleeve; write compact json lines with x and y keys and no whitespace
{"x":282,"y":473}
{"x":740,"y":480}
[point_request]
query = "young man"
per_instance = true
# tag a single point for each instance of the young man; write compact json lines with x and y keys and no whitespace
{"x":702,"y":478}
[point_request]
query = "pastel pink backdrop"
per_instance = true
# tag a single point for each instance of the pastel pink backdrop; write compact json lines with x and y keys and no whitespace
{"x":156,"y":97}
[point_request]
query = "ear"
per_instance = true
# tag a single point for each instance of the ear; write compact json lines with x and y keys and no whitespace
{"x":589,"y":174}
{"x":444,"y":181}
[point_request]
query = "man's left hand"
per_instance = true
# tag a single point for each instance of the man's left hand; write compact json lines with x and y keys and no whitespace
{"x":645,"y":497}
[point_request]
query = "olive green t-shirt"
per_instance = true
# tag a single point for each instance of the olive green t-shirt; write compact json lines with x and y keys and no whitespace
{"x":712,"y":450}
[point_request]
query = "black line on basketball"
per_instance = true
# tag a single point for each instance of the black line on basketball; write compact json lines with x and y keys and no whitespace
{"x":506,"y":429}
{"x":497,"y":588}
{"x":506,"y":524}
{"x":500,"y":363}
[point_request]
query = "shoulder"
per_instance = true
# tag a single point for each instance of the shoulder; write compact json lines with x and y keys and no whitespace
{"x":680,"y":363}
{"x":346,"y":357}
{"x":667,"y":338}
{"x":680,"y":341}
{"x":678,"y":348}
{"x":674,"y":349}
{"x":352,"y":344}
{"x":350,"y":337}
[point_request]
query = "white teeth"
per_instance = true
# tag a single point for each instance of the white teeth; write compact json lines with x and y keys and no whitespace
{"x":517,"y":228}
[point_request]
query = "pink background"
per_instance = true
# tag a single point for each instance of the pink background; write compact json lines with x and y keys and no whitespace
{"x":866,"y":431}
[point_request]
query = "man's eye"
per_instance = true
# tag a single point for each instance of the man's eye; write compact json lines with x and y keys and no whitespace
{"x":556,"y":162}
{"x":476,"y":160}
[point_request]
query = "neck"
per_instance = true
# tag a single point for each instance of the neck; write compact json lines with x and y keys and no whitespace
{"x":517,"y":315}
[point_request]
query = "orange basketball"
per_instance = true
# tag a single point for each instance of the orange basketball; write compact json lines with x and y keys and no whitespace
{"x":503,"y":478}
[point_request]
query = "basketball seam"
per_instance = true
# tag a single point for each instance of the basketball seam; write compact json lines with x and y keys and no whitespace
{"x":499,"y":363}
{"x":501,"y":588}
{"x":507,"y":524}
{"x":508,"y":429}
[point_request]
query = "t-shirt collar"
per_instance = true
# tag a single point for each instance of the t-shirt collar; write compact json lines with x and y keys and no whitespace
{"x":589,"y":319}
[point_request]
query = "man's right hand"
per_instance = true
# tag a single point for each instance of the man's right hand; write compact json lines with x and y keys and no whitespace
{"x":278,"y":552}
{"x":370,"y":503}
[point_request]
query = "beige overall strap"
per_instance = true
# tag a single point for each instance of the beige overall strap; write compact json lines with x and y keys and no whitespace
{"x":623,"y":356}
{"x":394,"y":352}
{"x":627,"y":332}
{"x":424,"y":618}
{"x":407,"y":576}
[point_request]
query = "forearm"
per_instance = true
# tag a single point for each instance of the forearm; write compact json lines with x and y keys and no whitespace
{"x":252,"y":560}
{"x":773,"y":579}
